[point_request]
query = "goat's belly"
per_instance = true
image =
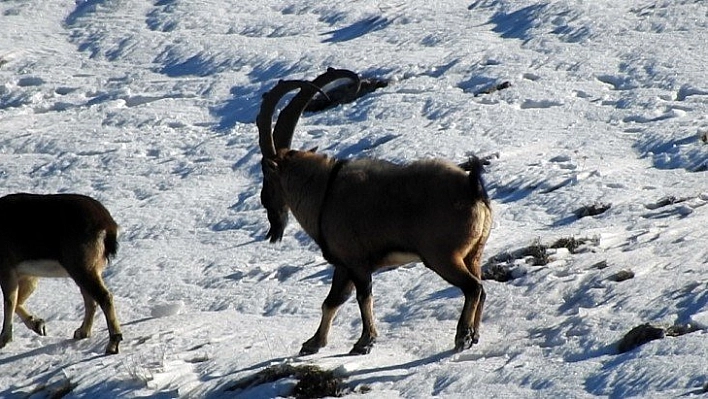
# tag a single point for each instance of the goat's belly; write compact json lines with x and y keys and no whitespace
{"x":42,"y":268}
{"x":398,"y":258}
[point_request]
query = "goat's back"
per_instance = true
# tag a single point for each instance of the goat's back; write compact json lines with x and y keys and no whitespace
{"x":376,"y":207}
{"x":422,"y":185}
{"x":35,"y":226}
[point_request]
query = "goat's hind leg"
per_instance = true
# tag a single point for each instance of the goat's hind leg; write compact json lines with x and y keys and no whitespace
{"x":9,"y":285}
{"x":339,"y":292}
{"x":84,"y":331}
{"x":455,"y":272}
{"x":91,"y":282}
{"x":468,"y":326}
{"x":366,"y":307}
{"x":26,"y":286}
{"x":473,"y":263}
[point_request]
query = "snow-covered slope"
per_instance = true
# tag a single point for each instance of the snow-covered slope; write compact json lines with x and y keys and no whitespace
{"x":150,"y":108}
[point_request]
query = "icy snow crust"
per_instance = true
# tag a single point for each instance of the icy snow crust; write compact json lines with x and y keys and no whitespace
{"x":150,"y":107}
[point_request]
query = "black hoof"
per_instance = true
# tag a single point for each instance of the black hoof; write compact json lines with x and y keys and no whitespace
{"x":80,"y":334}
{"x":364,"y":349}
{"x":39,"y":327}
{"x":4,"y":340}
{"x":466,"y":341}
{"x":113,"y":343}
{"x":308,"y":350}
{"x":112,"y":348}
{"x":358,"y":351}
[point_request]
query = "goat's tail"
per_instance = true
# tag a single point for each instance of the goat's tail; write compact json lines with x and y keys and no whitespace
{"x":475,"y":167}
{"x":110,"y":243}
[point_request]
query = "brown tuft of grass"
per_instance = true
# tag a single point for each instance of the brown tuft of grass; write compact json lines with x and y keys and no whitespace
{"x":500,"y":272}
{"x":537,"y":251}
{"x":571,"y":243}
{"x":313,"y":381}
{"x":499,"y":267}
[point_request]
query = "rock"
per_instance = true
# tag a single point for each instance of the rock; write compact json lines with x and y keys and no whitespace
{"x":638,"y":336}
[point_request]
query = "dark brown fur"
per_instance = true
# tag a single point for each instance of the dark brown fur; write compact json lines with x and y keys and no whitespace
{"x":62,"y":235}
{"x":367,"y":214}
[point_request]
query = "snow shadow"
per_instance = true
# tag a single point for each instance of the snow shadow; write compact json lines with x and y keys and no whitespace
{"x":197,"y":65}
{"x":674,"y":153}
{"x":476,"y":84}
{"x":619,"y":378}
{"x":357,"y":29}
{"x":245,"y":102}
{"x":242,"y":107}
{"x":364,"y":145}
{"x":509,"y":193}
{"x":55,"y":383}
{"x":82,"y":9}
{"x":518,"y":24}
{"x":693,"y":300}
{"x":154,"y":20}
{"x":360,"y":378}
{"x":439,"y":70}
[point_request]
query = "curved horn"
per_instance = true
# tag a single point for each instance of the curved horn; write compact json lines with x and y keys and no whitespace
{"x":265,"y":115}
{"x":271,"y":99}
{"x":289,"y":116}
{"x":271,"y":194}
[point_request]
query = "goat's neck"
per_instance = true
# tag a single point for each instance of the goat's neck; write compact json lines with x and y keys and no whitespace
{"x":305,"y":188}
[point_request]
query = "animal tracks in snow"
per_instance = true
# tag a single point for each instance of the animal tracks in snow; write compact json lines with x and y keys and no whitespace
{"x":39,"y":96}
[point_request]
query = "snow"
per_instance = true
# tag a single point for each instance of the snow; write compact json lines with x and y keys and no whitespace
{"x":150,"y":107}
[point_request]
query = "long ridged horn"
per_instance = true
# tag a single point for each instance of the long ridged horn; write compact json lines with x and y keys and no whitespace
{"x":264,"y":119}
{"x":289,"y":116}
{"x":271,"y":193}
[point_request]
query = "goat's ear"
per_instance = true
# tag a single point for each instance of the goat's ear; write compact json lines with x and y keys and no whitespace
{"x":313,"y":149}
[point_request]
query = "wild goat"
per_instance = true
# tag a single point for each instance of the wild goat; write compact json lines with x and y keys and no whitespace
{"x":367,"y":214}
{"x":61,"y":235}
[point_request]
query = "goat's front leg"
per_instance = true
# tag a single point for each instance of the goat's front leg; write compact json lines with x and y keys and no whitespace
{"x":340,"y":291}
{"x":366,"y":307}
{"x":26,"y":286}
{"x":9,"y":284}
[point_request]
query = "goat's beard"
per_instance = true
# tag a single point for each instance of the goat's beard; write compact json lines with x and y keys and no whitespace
{"x":276,"y":208}
{"x":278,"y":219}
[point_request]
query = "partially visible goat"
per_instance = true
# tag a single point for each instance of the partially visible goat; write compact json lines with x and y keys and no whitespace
{"x":367,"y":214}
{"x":62,"y":235}
{"x":344,"y":92}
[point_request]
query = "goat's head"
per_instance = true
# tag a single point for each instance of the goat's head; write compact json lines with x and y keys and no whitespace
{"x":274,"y":143}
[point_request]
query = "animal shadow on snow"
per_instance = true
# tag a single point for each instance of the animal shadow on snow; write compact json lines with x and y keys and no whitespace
{"x":53,"y":381}
{"x":360,"y":378}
